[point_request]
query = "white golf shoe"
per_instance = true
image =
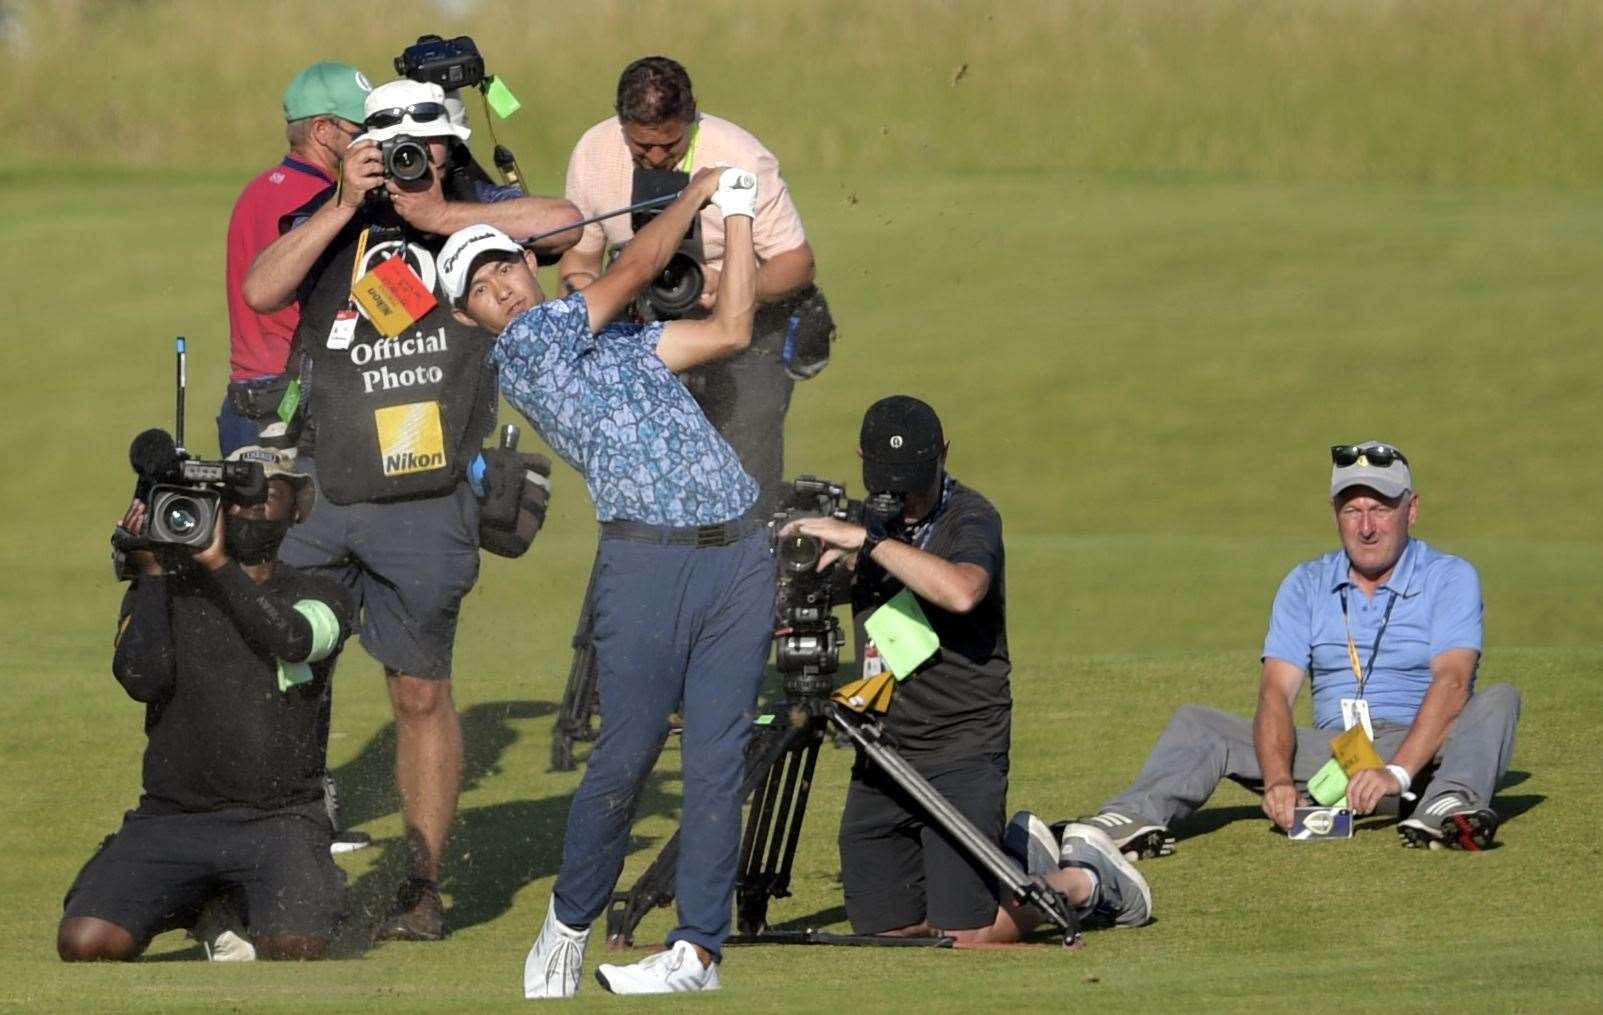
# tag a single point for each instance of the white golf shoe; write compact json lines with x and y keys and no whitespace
{"x":554,"y":963}
{"x":673,"y":971}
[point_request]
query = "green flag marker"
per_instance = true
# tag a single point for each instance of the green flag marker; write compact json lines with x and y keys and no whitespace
{"x":501,"y":99}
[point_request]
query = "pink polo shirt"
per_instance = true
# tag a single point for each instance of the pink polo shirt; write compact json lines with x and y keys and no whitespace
{"x":601,"y":178}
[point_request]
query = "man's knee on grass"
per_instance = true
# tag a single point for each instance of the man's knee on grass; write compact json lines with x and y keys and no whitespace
{"x":290,"y":947}
{"x":91,"y":939}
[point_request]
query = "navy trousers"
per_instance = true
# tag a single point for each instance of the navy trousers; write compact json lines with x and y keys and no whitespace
{"x":673,"y":624}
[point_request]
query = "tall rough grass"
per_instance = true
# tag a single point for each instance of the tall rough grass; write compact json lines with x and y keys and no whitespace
{"x":1447,"y":91}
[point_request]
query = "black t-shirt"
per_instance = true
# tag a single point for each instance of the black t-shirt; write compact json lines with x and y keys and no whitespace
{"x":201,"y":651}
{"x":389,"y":418}
{"x":959,"y":704}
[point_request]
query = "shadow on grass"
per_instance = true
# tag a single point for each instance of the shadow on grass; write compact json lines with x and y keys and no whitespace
{"x":493,"y":851}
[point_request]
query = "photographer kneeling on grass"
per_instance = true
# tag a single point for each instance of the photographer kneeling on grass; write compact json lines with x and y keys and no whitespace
{"x":684,"y":582}
{"x":1387,"y":631}
{"x":230,"y":652}
{"x":939,"y":561}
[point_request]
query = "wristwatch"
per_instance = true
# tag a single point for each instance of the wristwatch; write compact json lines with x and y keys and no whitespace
{"x":871,"y":539}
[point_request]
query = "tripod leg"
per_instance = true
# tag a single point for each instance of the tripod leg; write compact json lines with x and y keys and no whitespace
{"x":768,"y":746}
{"x":579,"y":697}
{"x":1050,"y":902}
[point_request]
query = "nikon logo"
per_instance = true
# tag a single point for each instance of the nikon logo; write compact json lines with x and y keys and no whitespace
{"x":404,"y":462}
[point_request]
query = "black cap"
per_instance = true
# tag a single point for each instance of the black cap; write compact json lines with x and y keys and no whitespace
{"x":901,"y":442}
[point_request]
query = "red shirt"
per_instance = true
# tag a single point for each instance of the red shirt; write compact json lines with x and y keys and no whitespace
{"x":259,"y":343}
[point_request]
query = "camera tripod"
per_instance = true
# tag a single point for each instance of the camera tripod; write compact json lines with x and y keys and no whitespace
{"x":780,"y":761}
{"x":575,"y":720}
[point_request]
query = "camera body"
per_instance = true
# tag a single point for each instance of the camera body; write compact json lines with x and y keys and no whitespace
{"x":808,"y":650}
{"x":449,"y":63}
{"x":184,"y":494}
{"x":406,"y":158}
{"x":675,"y":292}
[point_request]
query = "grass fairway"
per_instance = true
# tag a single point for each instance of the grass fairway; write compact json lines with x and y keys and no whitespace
{"x":1141,"y":372}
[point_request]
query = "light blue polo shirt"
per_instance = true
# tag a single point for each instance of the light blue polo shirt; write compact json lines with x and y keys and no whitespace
{"x":1438,"y":607}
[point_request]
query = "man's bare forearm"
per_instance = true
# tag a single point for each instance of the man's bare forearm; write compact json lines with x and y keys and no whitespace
{"x":784,"y":274}
{"x":278,"y":271}
{"x":1274,"y":736}
{"x":578,"y":268}
{"x":518,"y":217}
{"x":737,"y":302}
{"x":1444,"y":699}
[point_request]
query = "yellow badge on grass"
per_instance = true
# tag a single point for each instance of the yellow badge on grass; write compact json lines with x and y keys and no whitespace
{"x":1355,"y":752}
{"x":410,"y":438}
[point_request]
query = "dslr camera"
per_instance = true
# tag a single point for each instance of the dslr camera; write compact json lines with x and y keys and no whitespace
{"x":405,"y":158}
{"x":185,"y":494}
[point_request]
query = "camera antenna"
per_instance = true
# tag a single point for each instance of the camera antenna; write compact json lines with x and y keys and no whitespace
{"x":183,"y":369}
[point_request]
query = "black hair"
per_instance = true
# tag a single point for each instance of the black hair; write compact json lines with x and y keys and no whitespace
{"x":653,"y":90}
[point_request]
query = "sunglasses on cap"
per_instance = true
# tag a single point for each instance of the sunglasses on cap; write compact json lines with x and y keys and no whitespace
{"x":1379,"y":455}
{"x":420,"y":112}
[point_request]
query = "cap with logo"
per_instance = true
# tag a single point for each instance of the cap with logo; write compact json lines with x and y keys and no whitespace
{"x":280,"y":463}
{"x":327,"y":88}
{"x":1391,"y":480}
{"x":901,"y":443}
{"x":464,"y":251}
{"x":415,"y":101}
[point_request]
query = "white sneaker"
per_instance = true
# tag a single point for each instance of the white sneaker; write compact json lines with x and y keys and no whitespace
{"x":554,"y":963}
{"x":221,"y":932}
{"x":667,"y":972}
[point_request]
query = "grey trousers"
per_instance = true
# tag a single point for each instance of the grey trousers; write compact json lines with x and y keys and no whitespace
{"x":1204,"y":745}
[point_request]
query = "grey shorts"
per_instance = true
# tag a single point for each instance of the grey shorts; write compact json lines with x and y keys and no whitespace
{"x":409,"y":564}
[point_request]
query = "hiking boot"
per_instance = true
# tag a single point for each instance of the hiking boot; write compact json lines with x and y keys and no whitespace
{"x":554,"y":962}
{"x":1137,"y":838}
{"x":1449,"y":823}
{"x":1028,"y":840}
{"x":676,"y":970}
{"x":418,"y":913}
{"x":1122,"y":893}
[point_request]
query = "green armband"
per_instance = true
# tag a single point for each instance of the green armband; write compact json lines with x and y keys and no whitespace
{"x":325,"y":638}
{"x":325,"y":628}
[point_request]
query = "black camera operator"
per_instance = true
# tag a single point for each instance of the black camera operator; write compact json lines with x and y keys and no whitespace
{"x":230,"y":652}
{"x":938,"y":563}
{"x":398,"y":397}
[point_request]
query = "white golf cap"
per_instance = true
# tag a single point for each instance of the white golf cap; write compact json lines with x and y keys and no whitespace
{"x":418,"y":109}
{"x":463,"y":251}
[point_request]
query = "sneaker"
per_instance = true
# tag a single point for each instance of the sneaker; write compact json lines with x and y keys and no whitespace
{"x":418,"y":913}
{"x":349,"y":841}
{"x":1449,"y":823}
{"x":673,"y":971}
{"x":554,"y":962}
{"x":1137,"y":838}
{"x":221,"y":932}
{"x":1121,"y":893}
{"x":1028,"y":840}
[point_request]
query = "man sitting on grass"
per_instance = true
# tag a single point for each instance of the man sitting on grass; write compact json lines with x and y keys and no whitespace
{"x":1387,"y":630}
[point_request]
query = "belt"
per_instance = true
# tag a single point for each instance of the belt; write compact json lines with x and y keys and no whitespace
{"x":699,"y":536}
{"x":258,"y":398}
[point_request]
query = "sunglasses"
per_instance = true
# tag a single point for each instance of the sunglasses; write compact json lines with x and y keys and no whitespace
{"x":1378,"y":455}
{"x":420,"y":112}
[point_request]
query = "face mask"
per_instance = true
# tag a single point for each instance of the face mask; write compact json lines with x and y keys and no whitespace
{"x":253,"y":540}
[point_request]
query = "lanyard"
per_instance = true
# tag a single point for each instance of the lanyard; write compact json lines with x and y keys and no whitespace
{"x":1359,"y":672}
{"x":690,"y":150}
{"x":356,"y":267}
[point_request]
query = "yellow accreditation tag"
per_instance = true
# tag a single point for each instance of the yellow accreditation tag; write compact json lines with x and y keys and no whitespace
{"x":410,"y":438}
{"x":393,"y":296}
{"x":1354,"y":751}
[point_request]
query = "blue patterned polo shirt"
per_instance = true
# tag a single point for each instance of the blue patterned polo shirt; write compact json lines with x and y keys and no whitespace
{"x":614,"y":411}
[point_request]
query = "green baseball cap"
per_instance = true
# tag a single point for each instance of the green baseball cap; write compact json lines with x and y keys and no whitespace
{"x":327,"y":88}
